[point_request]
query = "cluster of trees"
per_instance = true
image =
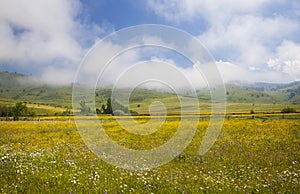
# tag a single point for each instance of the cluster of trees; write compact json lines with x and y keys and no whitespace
{"x":84,"y":109}
{"x":20,"y":109}
{"x":293,"y":92}
{"x":114,"y":108}
{"x":288,"y":110}
{"x":67,"y":112}
{"x":111,"y":107}
{"x":257,"y":95}
{"x":106,"y":109}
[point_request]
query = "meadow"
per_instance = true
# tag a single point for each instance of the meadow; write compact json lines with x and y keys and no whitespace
{"x":249,"y":156}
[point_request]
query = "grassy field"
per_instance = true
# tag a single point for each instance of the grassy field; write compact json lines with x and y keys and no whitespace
{"x":250,"y":156}
{"x":173,"y":106}
{"x":258,"y":150}
{"x":40,"y":109}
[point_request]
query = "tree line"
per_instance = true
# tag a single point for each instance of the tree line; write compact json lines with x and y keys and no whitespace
{"x":18,"y":110}
{"x":111,"y":107}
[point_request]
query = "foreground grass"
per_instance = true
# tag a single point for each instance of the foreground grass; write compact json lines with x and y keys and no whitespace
{"x":250,"y":156}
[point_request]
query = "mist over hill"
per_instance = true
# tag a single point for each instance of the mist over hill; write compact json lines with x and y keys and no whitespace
{"x":26,"y":88}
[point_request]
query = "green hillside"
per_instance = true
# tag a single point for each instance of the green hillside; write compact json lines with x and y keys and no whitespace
{"x":19,"y":87}
{"x":48,"y":99}
{"x":264,"y":93}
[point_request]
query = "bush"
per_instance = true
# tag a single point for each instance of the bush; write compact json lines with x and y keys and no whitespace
{"x":20,"y":109}
{"x":288,"y":110}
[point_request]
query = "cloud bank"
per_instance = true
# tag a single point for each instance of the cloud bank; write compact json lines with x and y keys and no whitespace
{"x":258,"y":39}
{"x":47,"y":37}
{"x":254,"y":40}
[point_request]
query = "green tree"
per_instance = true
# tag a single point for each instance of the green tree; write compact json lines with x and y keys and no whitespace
{"x":32,"y":113}
{"x":288,"y":110}
{"x":98,"y":111}
{"x":108,"y":108}
{"x":67,"y":112}
{"x":83,"y":107}
{"x":5,"y":111}
{"x":113,"y":107}
{"x":20,"y":109}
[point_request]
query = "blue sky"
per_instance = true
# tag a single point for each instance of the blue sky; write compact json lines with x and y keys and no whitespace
{"x":254,"y":40}
{"x":121,"y":14}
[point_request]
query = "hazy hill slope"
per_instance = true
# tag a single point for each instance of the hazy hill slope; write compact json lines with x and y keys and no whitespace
{"x":19,"y":87}
{"x":264,"y":93}
{"x":25,"y":88}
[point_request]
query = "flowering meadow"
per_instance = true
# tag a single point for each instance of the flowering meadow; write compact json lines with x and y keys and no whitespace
{"x":249,"y":156}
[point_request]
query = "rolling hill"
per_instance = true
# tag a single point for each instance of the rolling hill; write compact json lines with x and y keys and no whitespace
{"x":16,"y":87}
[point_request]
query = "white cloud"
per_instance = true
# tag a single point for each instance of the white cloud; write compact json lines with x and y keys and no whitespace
{"x":136,"y":65}
{"x":38,"y":30}
{"x":130,"y":61}
{"x":56,"y":76}
{"x":233,"y":72}
{"x":248,"y":38}
{"x":109,"y":59}
{"x":212,"y":10}
{"x":287,"y":59}
{"x":230,"y":71}
{"x":39,"y":34}
{"x":48,"y":36}
{"x":244,"y":33}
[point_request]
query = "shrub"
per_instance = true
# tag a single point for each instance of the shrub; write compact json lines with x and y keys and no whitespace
{"x":288,"y":110}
